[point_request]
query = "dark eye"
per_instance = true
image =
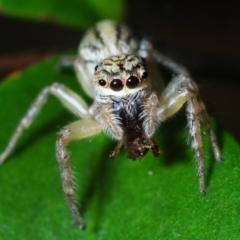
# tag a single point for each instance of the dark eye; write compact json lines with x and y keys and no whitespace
{"x":96,"y":68}
{"x":144,"y":75}
{"x":102,"y":82}
{"x":132,"y":82}
{"x":116,"y":85}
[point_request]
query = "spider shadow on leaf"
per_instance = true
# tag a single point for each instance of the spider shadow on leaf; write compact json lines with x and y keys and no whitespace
{"x":98,"y":185}
{"x":172,"y":138}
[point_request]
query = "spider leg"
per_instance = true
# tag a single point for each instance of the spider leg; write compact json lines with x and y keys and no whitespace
{"x":155,"y":78}
{"x":211,"y":133}
{"x":183,"y":90}
{"x":83,"y":69}
{"x":170,"y":64}
{"x":65,"y":61}
{"x":70,"y":99}
{"x":146,"y":49}
{"x":76,"y":130}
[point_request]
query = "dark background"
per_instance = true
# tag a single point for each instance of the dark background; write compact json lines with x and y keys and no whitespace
{"x":202,"y":35}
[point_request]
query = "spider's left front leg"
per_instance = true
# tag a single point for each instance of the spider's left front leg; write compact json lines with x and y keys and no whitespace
{"x":179,"y":91}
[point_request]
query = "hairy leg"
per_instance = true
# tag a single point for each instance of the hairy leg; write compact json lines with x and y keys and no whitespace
{"x":183,"y":90}
{"x":70,"y":99}
{"x":76,"y":130}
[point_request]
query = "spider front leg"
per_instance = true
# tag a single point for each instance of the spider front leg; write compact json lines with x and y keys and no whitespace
{"x":183,"y":90}
{"x":76,"y":130}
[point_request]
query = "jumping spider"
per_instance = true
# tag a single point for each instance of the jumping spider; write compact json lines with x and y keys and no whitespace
{"x":130,"y":100}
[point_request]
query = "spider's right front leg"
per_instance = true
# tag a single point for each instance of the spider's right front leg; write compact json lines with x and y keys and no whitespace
{"x":76,"y":130}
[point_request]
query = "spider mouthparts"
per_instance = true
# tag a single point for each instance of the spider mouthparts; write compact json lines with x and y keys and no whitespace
{"x":113,"y":154}
{"x":116,"y":150}
{"x":155,"y":149}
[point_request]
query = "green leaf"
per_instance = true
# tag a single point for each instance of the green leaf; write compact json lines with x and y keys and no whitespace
{"x":156,"y":198}
{"x":77,"y":13}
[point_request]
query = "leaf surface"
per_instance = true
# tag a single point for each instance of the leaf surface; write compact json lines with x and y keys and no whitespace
{"x":76,"y":13}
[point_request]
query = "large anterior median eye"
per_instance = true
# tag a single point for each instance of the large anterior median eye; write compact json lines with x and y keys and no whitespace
{"x":116,"y":85}
{"x":132,"y":82}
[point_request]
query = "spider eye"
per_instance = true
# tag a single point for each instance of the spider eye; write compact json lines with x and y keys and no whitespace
{"x":116,"y":85}
{"x":144,"y":75}
{"x":102,"y":82}
{"x":132,"y":82}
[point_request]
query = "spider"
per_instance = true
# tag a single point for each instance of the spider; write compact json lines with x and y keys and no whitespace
{"x":120,"y":73}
